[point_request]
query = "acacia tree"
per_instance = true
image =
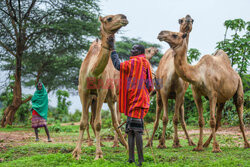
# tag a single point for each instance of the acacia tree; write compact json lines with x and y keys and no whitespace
{"x":38,"y":37}
{"x":124,"y":46}
{"x":237,"y":47}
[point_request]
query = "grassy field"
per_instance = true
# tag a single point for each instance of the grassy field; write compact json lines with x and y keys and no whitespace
{"x":18,"y":148}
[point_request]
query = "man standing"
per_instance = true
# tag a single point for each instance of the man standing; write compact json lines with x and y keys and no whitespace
{"x":134,"y":101}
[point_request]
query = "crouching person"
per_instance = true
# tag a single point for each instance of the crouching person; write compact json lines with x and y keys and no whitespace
{"x":134,"y":100}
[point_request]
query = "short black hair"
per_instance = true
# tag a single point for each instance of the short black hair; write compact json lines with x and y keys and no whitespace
{"x":141,"y":48}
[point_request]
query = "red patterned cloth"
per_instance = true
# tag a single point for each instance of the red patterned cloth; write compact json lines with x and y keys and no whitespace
{"x":135,"y":85}
{"x":34,"y":112}
{"x":37,"y":121}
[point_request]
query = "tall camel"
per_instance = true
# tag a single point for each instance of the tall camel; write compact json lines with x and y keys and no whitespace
{"x":212,"y":77}
{"x":149,"y":53}
{"x":173,"y":87}
{"x":93,"y":73}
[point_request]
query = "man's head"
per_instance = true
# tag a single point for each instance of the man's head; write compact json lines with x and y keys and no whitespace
{"x":137,"y":50}
{"x":39,"y":86}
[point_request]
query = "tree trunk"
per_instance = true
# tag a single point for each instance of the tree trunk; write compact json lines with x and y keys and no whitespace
{"x":10,"y":111}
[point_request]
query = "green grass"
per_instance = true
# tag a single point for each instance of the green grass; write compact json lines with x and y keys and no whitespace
{"x":15,"y":128}
{"x":59,"y":154}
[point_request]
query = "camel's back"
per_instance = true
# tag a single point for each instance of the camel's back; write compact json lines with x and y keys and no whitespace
{"x":217,"y":74}
{"x":223,"y":56}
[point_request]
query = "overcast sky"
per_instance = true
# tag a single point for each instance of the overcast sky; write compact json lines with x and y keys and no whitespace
{"x":148,"y":17}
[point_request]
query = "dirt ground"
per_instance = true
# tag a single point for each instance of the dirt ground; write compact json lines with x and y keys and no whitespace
{"x":17,"y":138}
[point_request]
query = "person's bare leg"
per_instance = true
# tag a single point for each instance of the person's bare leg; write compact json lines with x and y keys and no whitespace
{"x":36,"y":133}
{"x":47,"y":132}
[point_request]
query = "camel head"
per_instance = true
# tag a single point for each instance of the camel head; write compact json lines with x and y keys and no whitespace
{"x":174,"y":39}
{"x":112,"y":23}
{"x":150,"y":52}
{"x":186,"y":24}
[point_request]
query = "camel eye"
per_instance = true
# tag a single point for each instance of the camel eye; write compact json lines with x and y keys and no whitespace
{"x":174,"y":36}
{"x":192,"y":21}
{"x":109,"y":19}
{"x":180,"y":21}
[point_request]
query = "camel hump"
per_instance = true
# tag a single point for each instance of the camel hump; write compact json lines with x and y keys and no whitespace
{"x":223,"y":55}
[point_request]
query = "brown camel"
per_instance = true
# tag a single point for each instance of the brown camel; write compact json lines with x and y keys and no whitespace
{"x":212,"y":77}
{"x":93,"y":73}
{"x":149,"y":53}
{"x":173,"y":87}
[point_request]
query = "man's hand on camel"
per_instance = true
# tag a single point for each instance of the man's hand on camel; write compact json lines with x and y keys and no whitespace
{"x":111,"y":41}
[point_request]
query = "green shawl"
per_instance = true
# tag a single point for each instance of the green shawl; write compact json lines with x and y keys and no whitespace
{"x":40,"y":102}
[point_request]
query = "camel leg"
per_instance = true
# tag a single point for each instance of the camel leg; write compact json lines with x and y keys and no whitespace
{"x":98,"y":122}
{"x":164,"y":123}
{"x":115,"y":123}
{"x":89,"y":138}
{"x":212,"y":104}
{"x":87,"y":129}
{"x":242,"y":126}
{"x":93,"y":114}
{"x":92,"y":120}
{"x":118,"y":114}
{"x":218,"y":123}
{"x":158,"y":114}
{"x":239,"y":101}
{"x":198,"y":102}
{"x":178,"y":101}
{"x":83,"y":124}
{"x":184,"y":126}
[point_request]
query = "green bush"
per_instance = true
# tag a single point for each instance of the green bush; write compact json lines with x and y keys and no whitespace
{"x":168,"y":133}
{"x":76,"y":116}
{"x":106,"y":119}
{"x":58,"y":128}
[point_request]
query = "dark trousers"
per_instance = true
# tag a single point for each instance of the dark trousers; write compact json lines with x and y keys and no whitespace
{"x":134,"y":129}
{"x":132,"y":137}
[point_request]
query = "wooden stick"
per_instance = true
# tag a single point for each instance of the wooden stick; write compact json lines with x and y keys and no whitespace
{"x":150,"y":144}
{"x":122,"y":124}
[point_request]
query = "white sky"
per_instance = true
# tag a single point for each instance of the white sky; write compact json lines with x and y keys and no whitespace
{"x":148,"y":17}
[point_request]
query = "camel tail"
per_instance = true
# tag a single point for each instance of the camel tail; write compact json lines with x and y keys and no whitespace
{"x":239,"y":95}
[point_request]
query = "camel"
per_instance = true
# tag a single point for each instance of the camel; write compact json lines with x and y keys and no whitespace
{"x":149,"y":53}
{"x":173,"y":87}
{"x":212,"y":77}
{"x":93,"y":73}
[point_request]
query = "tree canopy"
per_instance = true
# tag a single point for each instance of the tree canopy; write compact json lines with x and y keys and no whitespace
{"x":50,"y":36}
{"x":124,"y":46}
{"x":42,"y":39}
{"x":237,"y":46}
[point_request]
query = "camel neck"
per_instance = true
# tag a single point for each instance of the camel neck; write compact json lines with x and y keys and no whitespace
{"x":186,"y":71}
{"x":103,"y":56}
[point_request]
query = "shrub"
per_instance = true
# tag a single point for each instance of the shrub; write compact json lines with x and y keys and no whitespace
{"x":76,"y":116}
{"x":168,"y":133}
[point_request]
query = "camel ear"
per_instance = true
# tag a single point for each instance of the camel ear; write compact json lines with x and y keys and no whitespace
{"x":101,"y":18}
{"x":184,"y":35}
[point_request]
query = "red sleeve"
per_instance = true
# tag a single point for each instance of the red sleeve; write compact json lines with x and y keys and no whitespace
{"x":125,"y":66}
{"x":149,"y":78}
